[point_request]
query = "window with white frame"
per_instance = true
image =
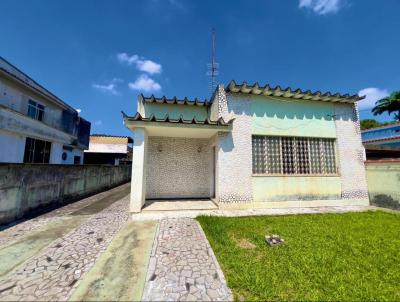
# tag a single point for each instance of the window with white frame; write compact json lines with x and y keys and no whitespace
{"x":293,"y":155}
{"x":35,"y":110}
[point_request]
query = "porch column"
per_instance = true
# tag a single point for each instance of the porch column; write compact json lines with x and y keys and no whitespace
{"x":138,"y":181}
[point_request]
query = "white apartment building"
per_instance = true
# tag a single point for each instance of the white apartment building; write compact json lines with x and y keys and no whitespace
{"x":35,"y":125}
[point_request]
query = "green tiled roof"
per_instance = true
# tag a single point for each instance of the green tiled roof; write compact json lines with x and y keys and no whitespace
{"x":174,"y":100}
{"x":298,"y":94}
{"x":167,"y":119}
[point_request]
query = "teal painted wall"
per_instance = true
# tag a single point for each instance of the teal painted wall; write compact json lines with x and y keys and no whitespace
{"x":175,"y":111}
{"x":285,"y":188}
{"x":287,"y":117}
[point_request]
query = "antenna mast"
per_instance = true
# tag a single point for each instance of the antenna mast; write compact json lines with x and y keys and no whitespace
{"x":213,"y":66}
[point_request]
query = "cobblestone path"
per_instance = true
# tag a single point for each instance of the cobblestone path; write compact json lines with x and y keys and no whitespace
{"x":183,"y":266}
{"x":54,"y":273}
{"x":26,"y":227}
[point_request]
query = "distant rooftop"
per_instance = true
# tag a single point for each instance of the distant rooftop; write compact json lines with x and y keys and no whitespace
{"x":396,"y":124}
{"x":107,"y":138}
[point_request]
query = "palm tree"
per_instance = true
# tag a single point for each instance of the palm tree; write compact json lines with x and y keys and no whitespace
{"x":389,"y":104}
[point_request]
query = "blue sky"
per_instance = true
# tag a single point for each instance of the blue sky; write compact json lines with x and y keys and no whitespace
{"x":99,"y":55}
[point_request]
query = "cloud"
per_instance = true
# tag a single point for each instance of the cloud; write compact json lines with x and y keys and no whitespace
{"x":141,"y":63}
{"x":110,"y":88}
{"x":98,"y":123}
{"x":321,"y":7}
{"x":145,"y":83}
{"x":372,"y":95}
{"x":78,"y":110}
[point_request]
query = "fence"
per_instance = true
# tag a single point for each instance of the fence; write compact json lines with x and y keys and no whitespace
{"x":384,"y":183}
{"x":26,"y":189}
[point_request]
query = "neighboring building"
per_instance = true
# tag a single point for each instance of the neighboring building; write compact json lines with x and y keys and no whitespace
{"x":250,"y":147}
{"x":35,"y":125}
{"x":382,"y":142}
{"x":109,"y":150}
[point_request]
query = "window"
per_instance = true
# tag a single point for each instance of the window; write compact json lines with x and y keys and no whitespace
{"x":35,"y":110}
{"x":293,"y":155}
{"x":37,"y":151}
{"x":77,"y":160}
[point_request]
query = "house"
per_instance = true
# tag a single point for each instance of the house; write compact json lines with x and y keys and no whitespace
{"x":382,"y":142}
{"x":35,"y":125}
{"x":251,"y":146}
{"x":109,"y":150}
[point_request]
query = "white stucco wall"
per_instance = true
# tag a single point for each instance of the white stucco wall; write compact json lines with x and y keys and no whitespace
{"x":179,"y":168}
{"x":70,"y":156}
{"x":107,"y":148}
{"x":16,"y":97}
{"x":55,"y":153}
{"x":12,"y":147}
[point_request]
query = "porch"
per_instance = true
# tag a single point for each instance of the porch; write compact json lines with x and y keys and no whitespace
{"x":174,"y":163}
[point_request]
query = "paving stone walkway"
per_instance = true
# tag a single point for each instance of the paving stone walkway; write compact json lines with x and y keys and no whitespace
{"x":23,"y":228}
{"x":54,"y":273}
{"x":183,"y":266}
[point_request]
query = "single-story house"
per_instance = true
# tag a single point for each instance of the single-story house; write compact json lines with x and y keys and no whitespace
{"x":250,"y":146}
{"x":107,"y":149}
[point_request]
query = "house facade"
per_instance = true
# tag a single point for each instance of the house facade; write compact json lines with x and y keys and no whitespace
{"x":109,"y":150}
{"x":35,"y":125}
{"x":249,"y":147}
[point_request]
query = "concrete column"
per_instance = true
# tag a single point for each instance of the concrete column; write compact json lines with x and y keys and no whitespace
{"x":138,"y":181}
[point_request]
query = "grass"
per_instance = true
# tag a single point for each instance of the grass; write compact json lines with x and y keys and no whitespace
{"x":335,"y":257}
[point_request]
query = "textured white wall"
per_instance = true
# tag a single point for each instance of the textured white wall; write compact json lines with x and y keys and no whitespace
{"x":179,"y":170}
{"x":234,"y":167}
{"x":351,"y":152}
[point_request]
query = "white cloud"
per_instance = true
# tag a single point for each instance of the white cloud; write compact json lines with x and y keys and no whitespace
{"x":110,"y":88}
{"x":145,"y":83}
{"x":372,"y":95}
{"x":79,"y":110}
{"x":321,"y":7}
{"x":98,"y":123}
{"x":141,"y":63}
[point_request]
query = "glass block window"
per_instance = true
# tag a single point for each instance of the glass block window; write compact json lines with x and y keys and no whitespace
{"x":293,"y":155}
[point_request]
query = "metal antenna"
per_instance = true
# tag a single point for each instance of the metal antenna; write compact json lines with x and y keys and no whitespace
{"x":212,"y":68}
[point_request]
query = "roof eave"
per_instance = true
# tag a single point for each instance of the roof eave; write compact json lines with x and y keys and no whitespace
{"x":290,"y":93}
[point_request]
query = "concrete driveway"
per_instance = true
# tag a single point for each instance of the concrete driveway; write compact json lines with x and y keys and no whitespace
{"x":88,"y":250}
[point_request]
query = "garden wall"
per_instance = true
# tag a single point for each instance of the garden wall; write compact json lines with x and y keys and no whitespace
{"x":383,"y":179}
{"x":28,"y":189}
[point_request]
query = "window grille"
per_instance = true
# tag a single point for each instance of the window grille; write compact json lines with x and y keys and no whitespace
{"x":293,"y":155}
{"x":37,"y":151}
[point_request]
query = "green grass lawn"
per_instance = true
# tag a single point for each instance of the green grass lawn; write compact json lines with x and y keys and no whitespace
{"x":347,"y":257}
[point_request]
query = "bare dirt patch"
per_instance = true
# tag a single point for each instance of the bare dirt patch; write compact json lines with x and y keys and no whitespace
{"x":242,"y":243}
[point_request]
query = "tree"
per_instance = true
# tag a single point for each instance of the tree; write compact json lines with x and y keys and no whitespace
{"x":389,"y":104}
{"x":369,"y":123}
